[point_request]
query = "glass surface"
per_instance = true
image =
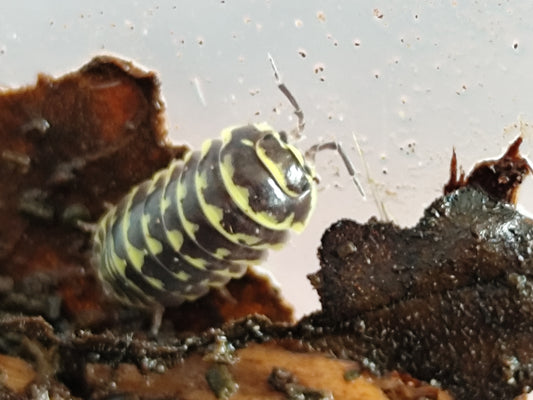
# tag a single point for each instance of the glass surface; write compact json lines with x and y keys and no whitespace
{"x":409,"y":79}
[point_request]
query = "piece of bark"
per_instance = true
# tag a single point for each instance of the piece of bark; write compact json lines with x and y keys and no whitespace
{"x":450,"y":299}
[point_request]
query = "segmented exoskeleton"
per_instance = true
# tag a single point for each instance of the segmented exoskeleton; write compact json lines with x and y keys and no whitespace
{"x":202,"y":221}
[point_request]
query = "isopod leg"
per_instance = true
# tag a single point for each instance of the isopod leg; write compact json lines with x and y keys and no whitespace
{"x":157,"y":311}
{"x":335,"y":145}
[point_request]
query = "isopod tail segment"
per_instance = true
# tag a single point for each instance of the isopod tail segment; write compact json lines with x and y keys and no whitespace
{"x":297,"y":133}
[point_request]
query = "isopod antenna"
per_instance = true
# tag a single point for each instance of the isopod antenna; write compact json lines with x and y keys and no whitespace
{"x":311,"y":152}
{"x":297,"y":110}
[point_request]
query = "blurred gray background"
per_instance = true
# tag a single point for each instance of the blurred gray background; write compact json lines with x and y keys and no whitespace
{"x":409,"y":79}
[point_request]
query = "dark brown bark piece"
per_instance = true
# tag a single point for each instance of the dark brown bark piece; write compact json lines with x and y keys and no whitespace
{"x":450,"y":299}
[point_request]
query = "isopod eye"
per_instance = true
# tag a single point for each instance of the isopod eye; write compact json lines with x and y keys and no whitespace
{"x":283,"y":137}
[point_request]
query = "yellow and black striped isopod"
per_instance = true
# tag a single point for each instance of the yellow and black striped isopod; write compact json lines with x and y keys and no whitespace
{"x":202,"y":221}
{"x":199,"y":223}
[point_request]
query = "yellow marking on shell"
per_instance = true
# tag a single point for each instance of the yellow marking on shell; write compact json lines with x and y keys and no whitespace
{"x":113,"y":268}
{"x":175,"y":238}
{"x":158,"y":284}
{"x":114,"y":262}
{"x":98,"y":241}
{"x":311,"y":207}
{"x":118,"y":263}
{"x":247,"y":142}
{"x":165,"y":203}
{"x":108,"y":250}
{"x":215,"y":215}
{"x":221,"y":253}
{"x":298,"y":227}
{"x":191,"y":297}
{"x":154,"y":282}
{"x":217,"y":284}
{"x":121,"y":264}
{"x":153,"y":244}
{"x":186,"y":157}
{"x":182,"y":276}
{"x":232,"y":275}
{"x":165,"y":173}
{"x":264,"y":127}
{"x":158,"y":174}
{"x":278,"y":246}
{"x":239,"y":194}
{"x":189,"y":227}
{"x":241,"y":197}
{"x":174,"y":164}
{"x":299,"y":156}
{"x":135,"y":255}
{"x":206,"y":145}
{"x":199,"y":263}
{"x":103,"y":226}
{"x":227,"y":133}
{"x":275,"y":169}
{"x":102,"y":222}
